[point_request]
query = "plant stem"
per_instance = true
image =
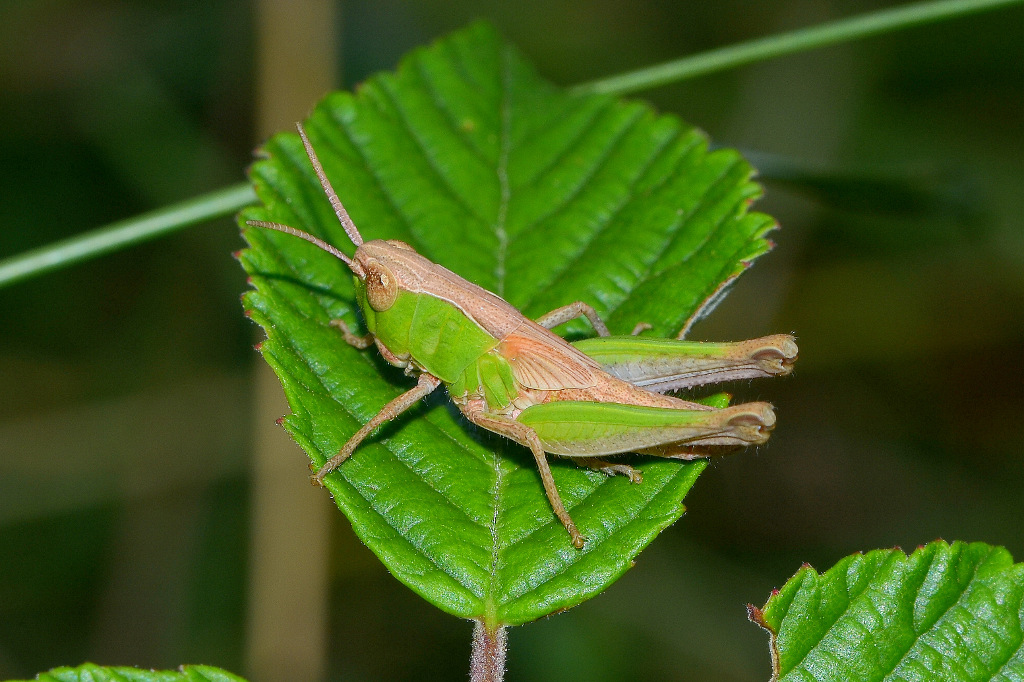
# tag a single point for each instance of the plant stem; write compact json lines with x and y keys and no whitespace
{"x":821,"y":35}
{"x":125,"y":233}
{"x":487,"y":663}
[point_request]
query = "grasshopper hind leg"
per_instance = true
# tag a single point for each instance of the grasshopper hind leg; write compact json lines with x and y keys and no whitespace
{"x":524,"y":435}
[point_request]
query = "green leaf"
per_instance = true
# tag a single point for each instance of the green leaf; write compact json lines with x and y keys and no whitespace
{"x":89,"y":672}
{"x":946,"y":612}
{"x":543,"y":197}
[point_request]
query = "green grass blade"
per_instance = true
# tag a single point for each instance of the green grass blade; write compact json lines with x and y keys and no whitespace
{"x":542,"y":196}
{"x":124,"y":233}
{"x":792,"y":42}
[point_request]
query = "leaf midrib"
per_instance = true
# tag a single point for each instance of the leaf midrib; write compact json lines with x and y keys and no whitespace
{"x":490,"y":605}
{"x":504,"y":150}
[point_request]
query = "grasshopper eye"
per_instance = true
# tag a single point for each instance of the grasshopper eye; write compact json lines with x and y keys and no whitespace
{"x":381,"y":286}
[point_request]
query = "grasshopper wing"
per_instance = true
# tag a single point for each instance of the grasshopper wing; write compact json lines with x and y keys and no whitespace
{"x":544,"y":361}
{"x":662,"y":365}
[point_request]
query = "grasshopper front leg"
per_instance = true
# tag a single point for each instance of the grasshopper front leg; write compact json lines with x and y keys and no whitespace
{"x":524,"y":435}
{"x":368,"y":340}
{"x":351,"y":339}
{"x":426,"y":384}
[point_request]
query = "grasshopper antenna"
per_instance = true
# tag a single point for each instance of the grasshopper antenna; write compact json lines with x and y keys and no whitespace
{"x":332,"y":196}
{"x":353,"y":266}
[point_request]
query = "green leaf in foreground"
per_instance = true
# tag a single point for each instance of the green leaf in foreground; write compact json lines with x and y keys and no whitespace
{"x":946,"y":612}
{"x":89,"y":672}
{"x":543,"y":197}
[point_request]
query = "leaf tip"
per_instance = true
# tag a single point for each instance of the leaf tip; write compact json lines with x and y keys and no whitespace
{"x":279,"y":421}
{"x":756,"y":616}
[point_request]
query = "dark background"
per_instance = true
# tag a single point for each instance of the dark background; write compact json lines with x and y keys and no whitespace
{"x":893,"y":164}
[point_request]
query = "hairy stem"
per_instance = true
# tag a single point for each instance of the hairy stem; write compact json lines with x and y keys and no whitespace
{"x":487,"y":662}
{"x":801,"y":40}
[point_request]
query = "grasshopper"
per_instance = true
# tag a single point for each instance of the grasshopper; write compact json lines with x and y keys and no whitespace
{"x":511,"y":375}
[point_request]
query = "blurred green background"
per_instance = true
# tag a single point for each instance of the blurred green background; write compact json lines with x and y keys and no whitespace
{"x":129,"y":406}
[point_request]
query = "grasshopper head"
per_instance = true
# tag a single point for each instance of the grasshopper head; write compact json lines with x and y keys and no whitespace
{"x":388,"y":266}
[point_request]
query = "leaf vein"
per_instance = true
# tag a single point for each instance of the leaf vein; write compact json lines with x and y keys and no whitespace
{"x":596,"y":166}
{"x":935,"y":624}
{"x":302,"y":356}
{"x":581,"y":132}
{"x":552,"y":520}
{"x":439,"y":103}
{"x":441,"y":180}
{"x":649,"y":271}
{"x":851,"y":598}
{"x":557,"y":274}
{"x":580,"y":556}
{"x":500,"y":232}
